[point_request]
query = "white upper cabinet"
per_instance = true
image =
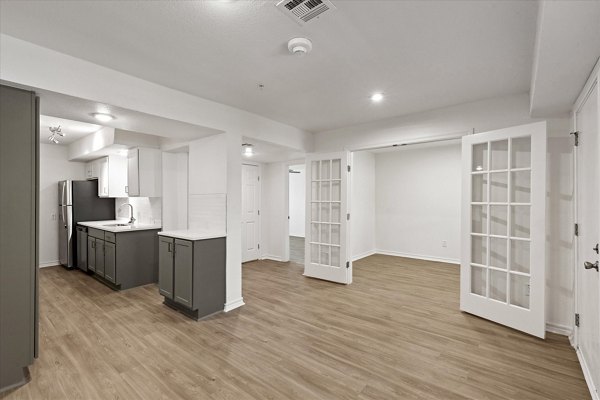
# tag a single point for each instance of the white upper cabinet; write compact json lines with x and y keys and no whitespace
{"x":144,"y":172}
{"x":111,"y":172}
{"x":91,"y":172}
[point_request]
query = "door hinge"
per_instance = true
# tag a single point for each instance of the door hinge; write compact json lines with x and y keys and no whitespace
{"x":348,"y":217}
{"x":348,"y":168}
{"x":258,"y":212}
{"x":576,"y":136}
{"x":258,"y":178}
{"x":576,"y":229}
{"x":259,"y":246}
{"x":577,"y":320}
{"x":347,"y":264}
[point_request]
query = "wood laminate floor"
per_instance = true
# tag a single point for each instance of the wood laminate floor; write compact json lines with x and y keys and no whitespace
{"x":395,"y":333}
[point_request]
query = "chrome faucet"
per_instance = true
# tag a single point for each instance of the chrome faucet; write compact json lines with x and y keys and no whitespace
{"x":131,"y":220}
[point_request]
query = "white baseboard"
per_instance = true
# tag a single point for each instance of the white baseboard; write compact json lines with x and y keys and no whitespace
{"x":559,"y":329}
{"x":587,"y":374}
{"x":49,"y":264}
{"x":232,"y":305}
{"x":417,"y":256}
{"x":363,"y":255}
{"x":271,"y":257}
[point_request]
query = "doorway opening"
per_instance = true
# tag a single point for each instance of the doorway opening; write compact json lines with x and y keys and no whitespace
{"x":297,"y":212}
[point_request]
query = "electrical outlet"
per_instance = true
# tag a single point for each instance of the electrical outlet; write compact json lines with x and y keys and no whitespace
{"x":444,"y":243}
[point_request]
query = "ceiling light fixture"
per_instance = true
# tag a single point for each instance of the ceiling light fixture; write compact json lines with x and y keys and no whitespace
{"x":55,"y":132}
{"x":376,"y":97}
{"x":248,"y":150}
{"x":299,"y":46}
{"x":102,"y":117}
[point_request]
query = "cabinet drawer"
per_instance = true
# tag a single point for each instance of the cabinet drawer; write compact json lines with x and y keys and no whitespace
{"x":110,"y":237}
{"x":97,"y":233}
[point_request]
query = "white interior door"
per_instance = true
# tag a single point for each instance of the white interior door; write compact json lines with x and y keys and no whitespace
{"x":588,"y":220}
{"x":250,"y":213}
{"x":327,"y":215}
{"x":503,"y":255}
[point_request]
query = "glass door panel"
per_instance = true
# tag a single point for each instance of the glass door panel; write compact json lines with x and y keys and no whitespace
{"x":327,"y":239}
{"x":505,"y":175}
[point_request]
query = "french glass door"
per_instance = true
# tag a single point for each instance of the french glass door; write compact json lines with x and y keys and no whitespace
{"x":326,"y":243}
{"x":503,"y":227}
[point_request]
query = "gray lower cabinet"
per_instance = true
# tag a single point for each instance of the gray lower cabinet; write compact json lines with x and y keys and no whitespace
{"x":99,"y":257}
{"x":91,"y":253}
{"x":192,"y":275}
{"x":82,"y":244}
{"x":165,"y":261}
{"x":123,"y":259}
{"x":110,"y":266}
{"x":183,"y":272}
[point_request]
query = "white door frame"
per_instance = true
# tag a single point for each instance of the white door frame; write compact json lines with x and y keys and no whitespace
{"x":259,"y":200}
{"x":286,"y":248}
{"x":594,"y":79}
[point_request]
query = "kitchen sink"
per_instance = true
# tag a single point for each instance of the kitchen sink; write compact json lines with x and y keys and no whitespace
{"x":117,"y":225}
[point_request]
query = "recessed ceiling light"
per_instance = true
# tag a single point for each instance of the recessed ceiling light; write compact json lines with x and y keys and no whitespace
{"x":248,"y":151}
{"x":103,"y":117}
{"x":376,"y":97}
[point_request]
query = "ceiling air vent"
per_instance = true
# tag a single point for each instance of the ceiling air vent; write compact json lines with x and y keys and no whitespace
{"x":304,"y":11}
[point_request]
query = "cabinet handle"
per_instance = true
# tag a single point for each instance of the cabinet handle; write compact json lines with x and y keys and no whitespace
{"x":169,"y":247}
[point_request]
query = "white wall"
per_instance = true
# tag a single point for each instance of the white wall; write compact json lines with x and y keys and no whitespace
{"x":274,"y":199}
{"x":54,"y":167}
{"x":297,"y":200}
{"x":417,"y":196}
{"x":175,"y":191}
{"x":146,"y":210}
{"x":362,"y":205}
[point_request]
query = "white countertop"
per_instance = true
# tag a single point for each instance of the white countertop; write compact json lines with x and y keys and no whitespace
{"x":103,"y":226}
{"x":193,"y":234}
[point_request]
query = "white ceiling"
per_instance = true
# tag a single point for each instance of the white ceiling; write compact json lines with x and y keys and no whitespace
{"x":567,"y":48}
{"x":421,"y":54}
{"x":73,"y":130}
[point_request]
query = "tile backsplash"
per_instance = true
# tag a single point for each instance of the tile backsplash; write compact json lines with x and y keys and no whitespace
{"x":146,"y":210}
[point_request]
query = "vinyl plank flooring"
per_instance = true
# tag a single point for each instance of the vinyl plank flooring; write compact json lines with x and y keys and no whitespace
{"x":395,"y":333}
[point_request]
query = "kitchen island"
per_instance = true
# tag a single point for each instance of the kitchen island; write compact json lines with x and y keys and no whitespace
{"x":119,"y":254}
{"x":192,"y":271}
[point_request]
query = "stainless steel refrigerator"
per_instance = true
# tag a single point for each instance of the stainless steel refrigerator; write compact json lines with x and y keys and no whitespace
{"x":78,"y":201}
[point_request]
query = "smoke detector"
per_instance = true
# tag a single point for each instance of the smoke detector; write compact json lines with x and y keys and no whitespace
{"x":304,"y":11}
{"x":299,"y":46}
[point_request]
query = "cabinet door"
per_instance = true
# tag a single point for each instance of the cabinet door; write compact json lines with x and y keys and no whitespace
{"x":82,"y":250}
{"x":183,"y":272}
{"x":133,"y":172}
{"x":100,"y":257}
{"x":165,"y":267}
{"x":88,"y":170}
{"x":102,"y":169}
{"x":91,"y":253}
{"x":110,"y":270}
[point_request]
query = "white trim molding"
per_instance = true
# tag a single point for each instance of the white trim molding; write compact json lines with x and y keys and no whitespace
{"x":587,"y":374}
{"x":363,"y":255}
{"x":559,"y":329}
{"x":49,"y":264}
{"x":232,"y":305}
{"x":272,"y":258}
{"x":417,"y":256}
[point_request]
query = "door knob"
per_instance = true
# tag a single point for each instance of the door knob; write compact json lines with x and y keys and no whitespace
{"x":589,"y":265}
